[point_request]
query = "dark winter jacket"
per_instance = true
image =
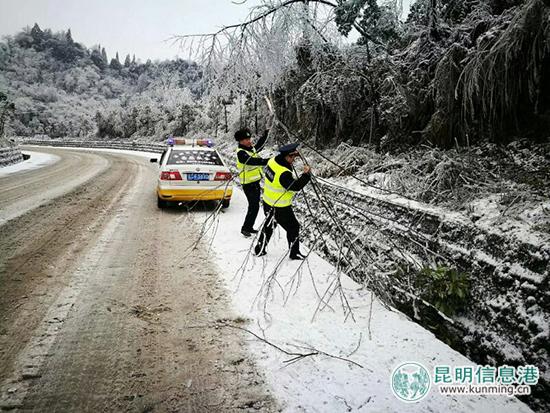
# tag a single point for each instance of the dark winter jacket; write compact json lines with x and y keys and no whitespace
{"x":287,"y":179}
{"x":249,"y":160}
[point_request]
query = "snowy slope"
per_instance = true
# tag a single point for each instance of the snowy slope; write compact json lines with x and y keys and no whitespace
{"x":37,"y":160}
{"x":321,"y":383}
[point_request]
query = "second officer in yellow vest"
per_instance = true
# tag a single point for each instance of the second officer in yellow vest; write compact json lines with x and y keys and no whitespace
{"x":250,"y":166}
{"x":279,"y":190}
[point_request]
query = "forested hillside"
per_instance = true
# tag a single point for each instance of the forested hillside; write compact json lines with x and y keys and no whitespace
{"x":451,"y":73}
{"x":62,"y":89}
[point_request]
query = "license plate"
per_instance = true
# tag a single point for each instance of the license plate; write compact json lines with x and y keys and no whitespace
{"x":198,"y":177}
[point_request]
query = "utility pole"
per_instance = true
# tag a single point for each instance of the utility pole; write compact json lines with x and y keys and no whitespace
{"x":256,"y":114}
{"x":225,"y":116}
{"x":240,"y":110}
{"x":182,"y":121}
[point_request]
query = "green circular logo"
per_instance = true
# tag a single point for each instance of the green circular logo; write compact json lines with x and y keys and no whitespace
{"x":410,"y":382}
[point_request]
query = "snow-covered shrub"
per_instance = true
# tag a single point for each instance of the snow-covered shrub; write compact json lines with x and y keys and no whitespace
{"x":446,"y":288}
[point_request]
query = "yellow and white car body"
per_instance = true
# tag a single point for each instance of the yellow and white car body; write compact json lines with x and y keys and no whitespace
{"x":191,"y":170}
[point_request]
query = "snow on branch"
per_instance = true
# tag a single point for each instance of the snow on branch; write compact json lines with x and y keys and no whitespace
{"x":251,"y":56}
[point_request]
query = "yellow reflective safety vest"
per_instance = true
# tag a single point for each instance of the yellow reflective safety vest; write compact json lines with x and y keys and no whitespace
{"x":275,"y":194}
{"x":248,"y":173}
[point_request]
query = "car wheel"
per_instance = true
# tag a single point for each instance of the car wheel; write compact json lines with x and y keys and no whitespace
{"x":225,"y":203}
{"x":161,"y":203}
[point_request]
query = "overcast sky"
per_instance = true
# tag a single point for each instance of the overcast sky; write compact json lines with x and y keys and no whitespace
{"x":138,"y":27}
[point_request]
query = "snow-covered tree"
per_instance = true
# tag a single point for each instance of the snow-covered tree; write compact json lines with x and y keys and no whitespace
{"x":115,"y":63}
{"x":59,"y":90}
{"x":6,"y":108}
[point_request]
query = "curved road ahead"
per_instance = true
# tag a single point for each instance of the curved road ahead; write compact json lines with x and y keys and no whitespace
{"x":102,"y":307}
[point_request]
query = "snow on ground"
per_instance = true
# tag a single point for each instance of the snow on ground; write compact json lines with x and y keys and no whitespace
{"x":37,"y":160}
{"x":490,"y":218}
{"x":108,"y":150}
{"x":40,"y":159}
{"x":321,"y":383}
{"x":396,"y":199}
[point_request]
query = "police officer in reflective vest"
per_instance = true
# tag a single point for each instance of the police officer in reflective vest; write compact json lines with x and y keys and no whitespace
{"x":250,"y":166}
{"x":279,"y":190}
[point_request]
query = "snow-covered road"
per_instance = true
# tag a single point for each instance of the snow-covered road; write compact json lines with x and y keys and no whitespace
{"x":96,"y":303}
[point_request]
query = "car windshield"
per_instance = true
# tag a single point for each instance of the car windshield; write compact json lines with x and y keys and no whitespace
{"x":194,"y":157}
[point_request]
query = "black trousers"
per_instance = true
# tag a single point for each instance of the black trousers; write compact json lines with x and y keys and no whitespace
{"x":252,"y":192}
{"x":284,"y":217}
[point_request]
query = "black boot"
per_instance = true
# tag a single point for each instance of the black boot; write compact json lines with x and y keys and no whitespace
{"x":259,"y":251}
{"x":298,"y":256}
{"x":295,"y":253}
{"x":248,"y":232}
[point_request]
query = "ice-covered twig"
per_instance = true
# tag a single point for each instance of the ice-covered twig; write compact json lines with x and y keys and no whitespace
{"x":295,"y":356}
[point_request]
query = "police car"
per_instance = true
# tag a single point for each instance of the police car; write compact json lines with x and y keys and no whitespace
{"x":192,"y":170}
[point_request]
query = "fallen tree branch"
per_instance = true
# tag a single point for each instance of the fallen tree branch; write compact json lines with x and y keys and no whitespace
{"x":295,"y":356}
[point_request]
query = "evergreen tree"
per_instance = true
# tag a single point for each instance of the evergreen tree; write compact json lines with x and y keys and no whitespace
{"x":104,"y":56}
{"x":97,"y":58}
{"x":38,"y":37}
{"x":127,"y":61}
{"x":115,"y":63}
{"x":346,"y":14}
{"x":418,"y":13}
{"x":375,"y":22}
{"x":37,"y":34}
